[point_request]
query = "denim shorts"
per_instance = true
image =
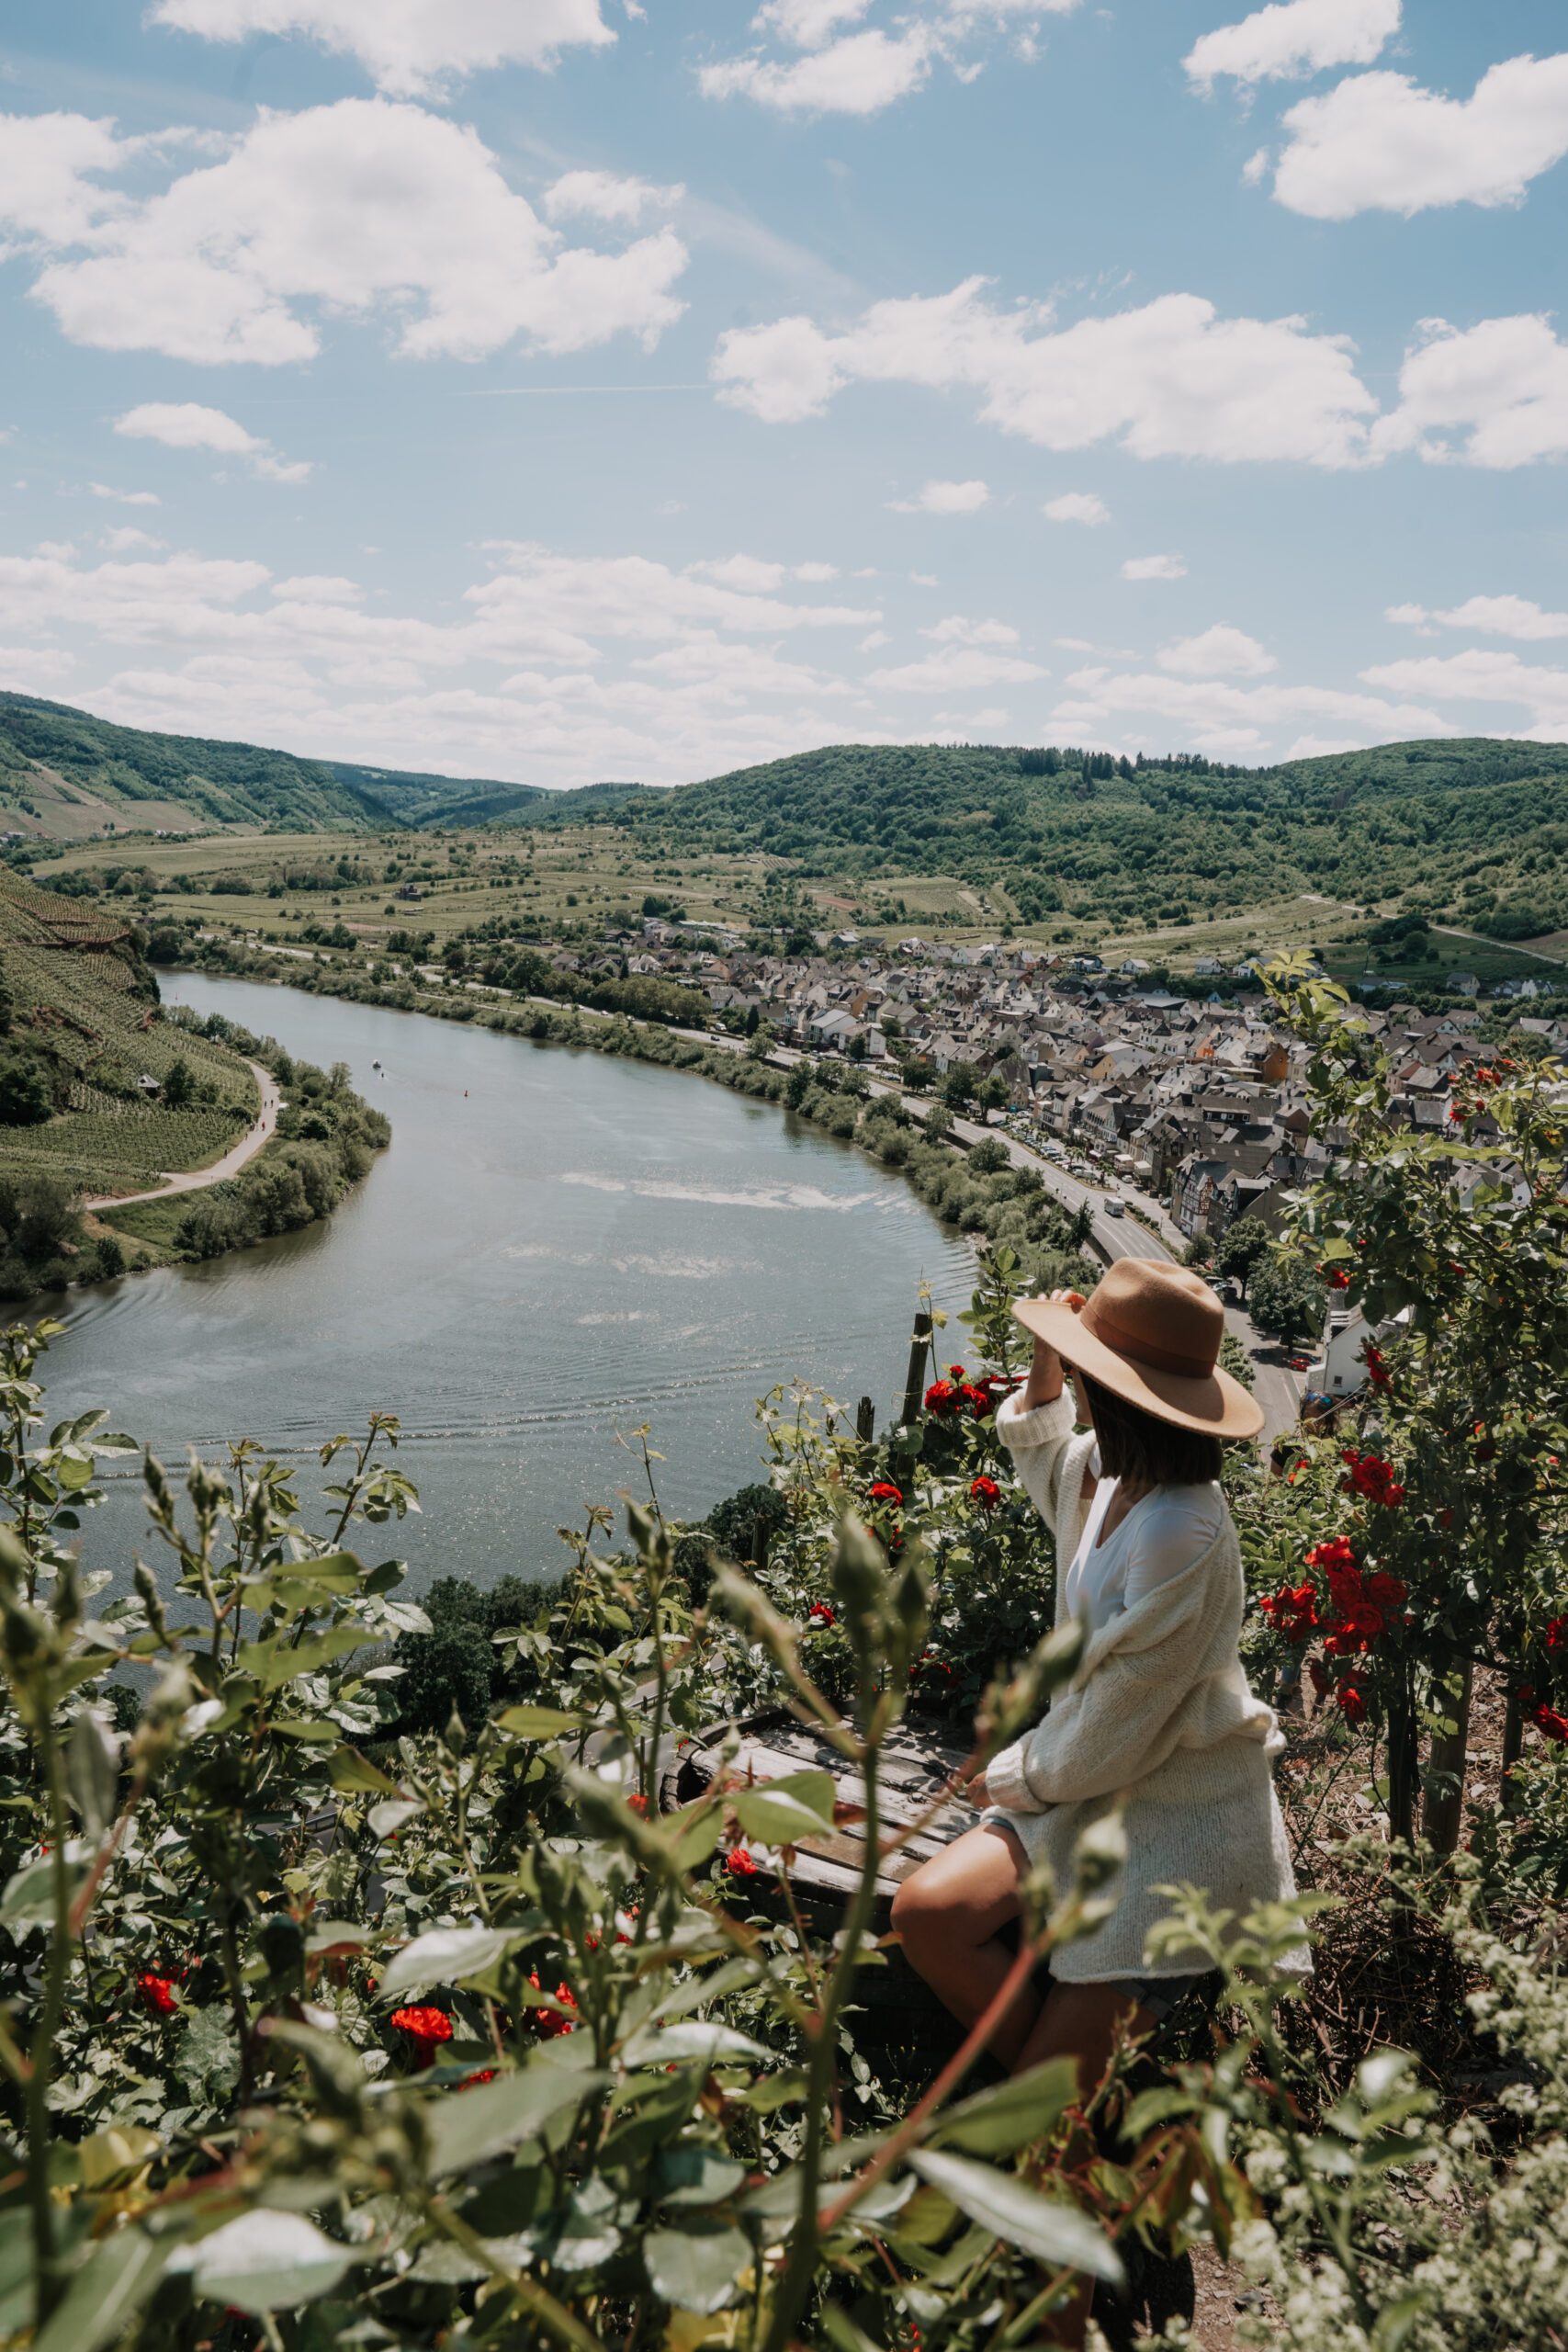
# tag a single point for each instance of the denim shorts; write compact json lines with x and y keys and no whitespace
{"x":1161,"y":1995}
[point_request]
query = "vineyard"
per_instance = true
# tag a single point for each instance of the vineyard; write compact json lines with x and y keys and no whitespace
{"x":332,"y":2018}
{"x":81,"y":1023}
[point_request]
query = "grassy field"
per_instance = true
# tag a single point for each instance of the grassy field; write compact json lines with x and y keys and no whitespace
{"x":544,"y":881}
{"x":133,"y":1145}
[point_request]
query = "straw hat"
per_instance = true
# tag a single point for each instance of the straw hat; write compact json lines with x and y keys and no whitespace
{"x":1151,"y":1333}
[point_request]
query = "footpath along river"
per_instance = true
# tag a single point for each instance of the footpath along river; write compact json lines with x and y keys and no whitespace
{"x":558,"y":1245}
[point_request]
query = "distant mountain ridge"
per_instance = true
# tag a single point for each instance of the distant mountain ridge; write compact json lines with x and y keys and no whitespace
{"x":1475,"y":827}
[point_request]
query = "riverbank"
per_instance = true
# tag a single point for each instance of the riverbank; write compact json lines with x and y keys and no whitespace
{"x":977,"y":1190}
{"x":315,"y":1139}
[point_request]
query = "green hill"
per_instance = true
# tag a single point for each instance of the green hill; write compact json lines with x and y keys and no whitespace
{"x":78,"y":1033}
{"x":63,"y":774}
{"x":1477,"y":829}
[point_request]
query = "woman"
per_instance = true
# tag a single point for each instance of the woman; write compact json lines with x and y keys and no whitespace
{"x":1158,"y":1714}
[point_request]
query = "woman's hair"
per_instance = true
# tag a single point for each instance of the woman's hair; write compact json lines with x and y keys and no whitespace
{"x":1135,"y":1446}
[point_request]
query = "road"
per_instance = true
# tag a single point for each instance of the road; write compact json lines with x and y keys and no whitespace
{"x":193,"y":1180}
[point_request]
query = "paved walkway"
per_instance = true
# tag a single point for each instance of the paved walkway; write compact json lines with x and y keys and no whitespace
{"x":195,"y":1179}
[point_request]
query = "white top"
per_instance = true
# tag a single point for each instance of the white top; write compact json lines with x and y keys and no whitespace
{"x":1163,"y":1533}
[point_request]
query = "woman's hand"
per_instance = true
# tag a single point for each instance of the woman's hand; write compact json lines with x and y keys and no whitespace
{"x":977,"y":1794}
{"x":1044,"y":1382}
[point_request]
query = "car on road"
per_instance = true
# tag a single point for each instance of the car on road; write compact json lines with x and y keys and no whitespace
{"x":1115,"y":1209}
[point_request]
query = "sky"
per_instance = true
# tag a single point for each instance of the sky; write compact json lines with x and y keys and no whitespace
{"x":564,"y":390}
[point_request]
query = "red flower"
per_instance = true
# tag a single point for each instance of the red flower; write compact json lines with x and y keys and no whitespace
{"x":740,"y":1865}
{"x":884,"y":1493}
{"x":425,"y":2025}
{"x":1554,"y":1725}
{"x":1319,"y":1677}
{"x":820,"y":1619}
{"x":986,"y":1492}
{"x":1377,"y":1366}
{"x":1336,"y":1553}
{"x":471,"y":2082}
{"x":1352,"y":1704}
{"x":549,"y":2023}
{"x":1557,"y":1634}
{"x":1372,"y":1478}
{"x":943,"y":1399}
{"x":1294,"y":1610}
{"x":1337,"y":1280}
{"x":158,"y":1994}
{"x":1525,"y":1694}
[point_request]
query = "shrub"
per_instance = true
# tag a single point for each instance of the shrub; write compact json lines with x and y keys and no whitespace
{"x":26,"y":1099}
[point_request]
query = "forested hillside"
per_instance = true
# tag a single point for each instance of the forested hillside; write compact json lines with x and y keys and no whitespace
{"x":70,"y":772}
{"x":1477,"y":829}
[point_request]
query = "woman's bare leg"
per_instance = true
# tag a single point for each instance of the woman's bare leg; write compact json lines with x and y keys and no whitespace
{"x":1083,"y":2022}
{"x":949,"y":1914}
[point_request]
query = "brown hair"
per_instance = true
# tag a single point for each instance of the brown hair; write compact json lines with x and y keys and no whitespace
{"x":1143,"y":1449}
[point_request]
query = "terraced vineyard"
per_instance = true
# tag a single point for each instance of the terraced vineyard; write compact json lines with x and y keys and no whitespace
{"x":83,"y":1016}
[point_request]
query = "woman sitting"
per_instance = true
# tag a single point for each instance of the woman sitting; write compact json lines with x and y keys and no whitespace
{"x":1158,"y":1715}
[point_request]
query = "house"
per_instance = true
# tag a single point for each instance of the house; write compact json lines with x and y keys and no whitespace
{"x":150,"y":1087}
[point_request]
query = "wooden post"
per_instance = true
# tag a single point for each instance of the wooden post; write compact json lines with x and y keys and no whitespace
{"x":1444,"y":1808}
{"x":914,"y":1384}
{"x":758,"y":1543}
{"x":866,"y":1420}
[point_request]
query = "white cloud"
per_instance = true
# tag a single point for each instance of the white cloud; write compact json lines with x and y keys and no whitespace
{"x":406,"y":45}
{"x":601,"y":195}
{"x":1297,"y":37}
{"x":1503,"y":383}
{"x":124,"y":536}
{"x":859,"y":74}
{"x":1077,"y":506}
{"x":318,"y":588}
{"x":1171,"y":380}
{"x":956,"y":631}
{"x":752,"y":577}
{"x":1379,"y":142}
{"x":1154,"y":567}
{"x":806,"y":24}
{"x":125,"y":497}
{"x":1488,"y":615}
{"x":1254,"y":170}
{"x":29,"y":668}
{"x":185,"y":425}
{"x":1483,"y":674}
{"x":956,"y":672}
{"x":356,"y":208}
{"x":1234,"y":721}
{"x":1219,"y":652}
{"x":944,"y":498}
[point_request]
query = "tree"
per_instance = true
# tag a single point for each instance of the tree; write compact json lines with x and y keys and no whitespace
{"x":179,"y":1085}
{"x":1287,"y":1298}
{"x":25,"y":1097}
{"x":960,"y":1084}
{"x":939,"y":1121}
{"x":993,"y":1094}
{"x":1243,"y":1248}
{"x":797,"y":1086}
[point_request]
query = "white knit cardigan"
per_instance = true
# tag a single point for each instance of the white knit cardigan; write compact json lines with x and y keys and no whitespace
{"x":1159,"y":1715}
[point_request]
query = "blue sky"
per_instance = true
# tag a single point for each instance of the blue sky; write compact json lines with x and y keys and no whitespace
{"x":562,"y":390}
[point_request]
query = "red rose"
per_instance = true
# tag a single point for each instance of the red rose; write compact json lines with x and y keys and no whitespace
{"x":549,"y":2023}
{"x":1293,"y":1610}
{"x":1554,"y":1725}
{"x":884,"y":1493}
{"x":740,"y":1865}
{"x":158,"y":1994}
{"x":1337,"y":1280}
{"x":986,"y":1492}
{"x":427,"y":2028}
{"x":1352,"y":1703}
{"x":942,"y":1398}
{"x":820,"y":1619}
{"x":1557,"y":1634}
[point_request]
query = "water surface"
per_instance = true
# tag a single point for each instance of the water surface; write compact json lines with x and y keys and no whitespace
{"x":557,"y":1247}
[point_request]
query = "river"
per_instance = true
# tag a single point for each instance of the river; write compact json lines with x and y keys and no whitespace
{"x":558,"y":1246}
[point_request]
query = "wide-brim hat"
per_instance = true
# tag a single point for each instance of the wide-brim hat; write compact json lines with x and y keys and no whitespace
{"x":1151,"y":1333}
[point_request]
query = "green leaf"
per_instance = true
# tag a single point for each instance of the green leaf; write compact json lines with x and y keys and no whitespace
{"x":470,"y":2127}
{"x":539,"y":1723}
{"x":662,"y":2045}
{"x":691,"y":2174}
{"x":1052,"y":2231}
{"x":92,"y":1773}
{"x":348,"y":1770}
{"x":264,"y":2261}
{"x":387,"y":1818}
{"x":695,"y":2267}
{"x":28,"y":1899}
{"x":307,"y":1730}
{"x":995,"y":2122}
{"x":273,"y":1663}
{"x":116,"y":2280}
{"x":445,"y":1956}
{"x":781,"y":1812}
